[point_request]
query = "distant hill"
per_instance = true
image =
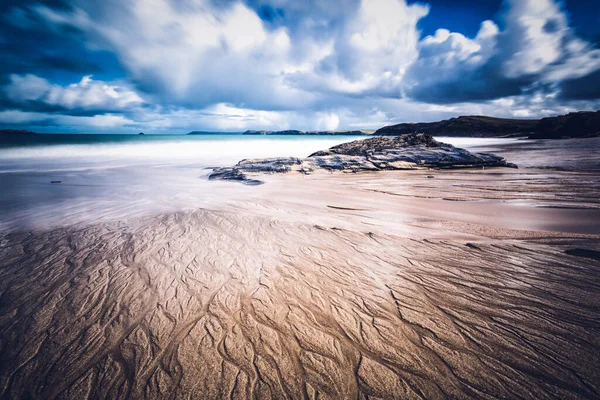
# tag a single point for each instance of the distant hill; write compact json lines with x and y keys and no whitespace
{"x":308,"y":133}
{"x":579,"y":124}
{"x":573,"y":125}
{"x":474,"y":126}
{"x":16,"y":132}
{"x":207,"y":133}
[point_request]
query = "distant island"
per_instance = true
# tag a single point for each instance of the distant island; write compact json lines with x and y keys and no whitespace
{"x":205,"y":133}
{"x":16,"y":132}
{"x":574,"y":125}
{"x":308,"y":133}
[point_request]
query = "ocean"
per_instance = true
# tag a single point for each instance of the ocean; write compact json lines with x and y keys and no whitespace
{"x":119,"y":176}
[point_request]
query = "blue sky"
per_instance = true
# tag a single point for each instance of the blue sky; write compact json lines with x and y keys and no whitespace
{"x":171,"y":66}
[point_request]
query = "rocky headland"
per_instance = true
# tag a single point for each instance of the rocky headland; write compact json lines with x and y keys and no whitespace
{"x":574,"y":125}
{"x":475,"y":126}
{"x":578,"y":124}
{"x":407,"y":152}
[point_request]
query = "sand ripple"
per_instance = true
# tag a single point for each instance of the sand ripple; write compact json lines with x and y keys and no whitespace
{"x":210,"y":304}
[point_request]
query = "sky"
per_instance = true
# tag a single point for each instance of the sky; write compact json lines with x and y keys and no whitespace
{"x":173,"y":66}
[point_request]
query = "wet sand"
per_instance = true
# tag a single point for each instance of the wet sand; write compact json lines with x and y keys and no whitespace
{"x":470,"y":284}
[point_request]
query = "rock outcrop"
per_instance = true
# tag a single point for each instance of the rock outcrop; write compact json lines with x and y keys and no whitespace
{"x":414,"y":151}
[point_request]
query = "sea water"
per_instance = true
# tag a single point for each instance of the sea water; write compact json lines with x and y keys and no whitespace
{"x":119,"y":176}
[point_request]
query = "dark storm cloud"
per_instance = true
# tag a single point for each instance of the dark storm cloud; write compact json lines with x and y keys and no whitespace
{"x":37,"y":106}
{"x":29,"y":45}
{"x":270,"y":14}
{"x":69,"y":64}
{"x":482,"y":84}
{"x":585,"y":88}
{"x":8,"y":5}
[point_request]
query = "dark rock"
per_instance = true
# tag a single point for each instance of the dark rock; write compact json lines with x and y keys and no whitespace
{"x":55,"y":181}
{"x":418,"y":150}
{"x":430,"y":176}
{"x":233,"y":174}
{"x":269,"y":165}
{"x":415,"y":151}
{"x":378,"y":144}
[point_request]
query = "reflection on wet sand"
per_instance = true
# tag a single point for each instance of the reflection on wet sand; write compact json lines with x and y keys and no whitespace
{"x":471,"y":284}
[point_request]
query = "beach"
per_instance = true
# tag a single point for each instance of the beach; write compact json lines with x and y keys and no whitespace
{"x":470,"y":283}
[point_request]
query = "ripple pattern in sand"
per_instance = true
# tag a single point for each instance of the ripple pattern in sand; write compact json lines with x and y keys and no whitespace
{"x":223,"y":305}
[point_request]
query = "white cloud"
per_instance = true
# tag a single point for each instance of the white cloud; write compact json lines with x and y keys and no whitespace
{"x":86,"y":94}
{"x":206,"y":54}
{"x":226,"y":117}
{"x":534,"y":35}
{"x":97,"y":121}
{"x":197,"y":56}
{"x":11,"y":117}
{"x":522,"y":113}
{"x":371,"y":52}
{"x":384,"y":36}
{"x":328,"y":122}
{"x":446,"y":50}
{"x":536,"y":51}
{"x":449,"y":57}
{"x":538,"y":40}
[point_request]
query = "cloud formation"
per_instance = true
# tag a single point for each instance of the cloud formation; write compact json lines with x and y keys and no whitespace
{"x":274,"y":64}
{"x":536,"y":51}
{"x":87,"y":95}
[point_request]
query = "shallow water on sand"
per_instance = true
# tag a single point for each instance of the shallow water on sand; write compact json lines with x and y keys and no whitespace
{"x":118,"y":176}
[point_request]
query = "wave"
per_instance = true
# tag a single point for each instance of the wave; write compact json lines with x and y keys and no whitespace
{"x":217,"y":152}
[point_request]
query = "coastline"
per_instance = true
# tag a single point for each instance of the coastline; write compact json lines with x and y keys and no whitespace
{"x":383,"y":284}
